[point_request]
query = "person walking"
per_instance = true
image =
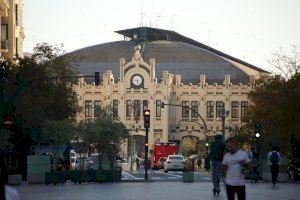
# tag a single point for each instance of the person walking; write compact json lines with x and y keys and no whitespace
{"x":233,"y":165}
{"x":216,"y":156}
{"x":137,"y":161}
{"x":253,"y":155}
{"x":199,"y":163}
{"x":274,"y":158}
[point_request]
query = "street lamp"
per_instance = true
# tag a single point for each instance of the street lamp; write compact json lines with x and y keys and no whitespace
{"x":223,"y":114}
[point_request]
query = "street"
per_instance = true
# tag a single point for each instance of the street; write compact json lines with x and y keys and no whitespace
{"x":159,"y":175}
{"x":178,"y":190}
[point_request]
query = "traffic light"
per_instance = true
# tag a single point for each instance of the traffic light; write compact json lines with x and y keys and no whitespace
{"x":257,"y":130}
{"x":97,"y":78}
{"x":146,"y":118}
{"x":162,"y":106}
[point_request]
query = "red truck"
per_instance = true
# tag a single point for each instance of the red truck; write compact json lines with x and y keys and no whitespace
{"x":161,"y":151}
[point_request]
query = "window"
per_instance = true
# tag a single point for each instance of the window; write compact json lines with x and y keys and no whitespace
{"x":115,"y":108}
{"x":210,"y":109}
{"x":97,"y":108}
{"x":128,"y":108}
{"x":195,"y":108}
{"x":17,"y":47}
{"x":88,"y":108}
{"x":234,"y":109}
{"x":16,"y":15}
{"x":185,"y":110}
{"x":145,"y":105}
{"x":244,"y":106}
{"x":219,"y":108}
{"x":158,"y":108}
{"x":137,"y":108}
{"x":4,"y":36}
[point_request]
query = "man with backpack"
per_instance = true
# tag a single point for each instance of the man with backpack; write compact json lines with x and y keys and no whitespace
{"x":216,"y":156}
{"x":274,"y":158}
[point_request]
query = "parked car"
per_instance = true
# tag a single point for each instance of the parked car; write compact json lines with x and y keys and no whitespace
{"x":174,"y":163}
{"x":161,"y":162}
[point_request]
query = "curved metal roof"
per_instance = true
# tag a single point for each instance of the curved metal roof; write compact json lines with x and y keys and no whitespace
{"x":177,"y":57}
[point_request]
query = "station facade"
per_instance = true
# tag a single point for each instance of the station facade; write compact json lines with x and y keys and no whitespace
{"x":137,"y":88}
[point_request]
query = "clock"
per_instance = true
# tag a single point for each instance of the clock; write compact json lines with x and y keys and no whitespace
{"x":137,"y":80}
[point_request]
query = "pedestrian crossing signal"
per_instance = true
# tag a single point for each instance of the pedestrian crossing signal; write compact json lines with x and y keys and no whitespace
{"x":257,"y":130}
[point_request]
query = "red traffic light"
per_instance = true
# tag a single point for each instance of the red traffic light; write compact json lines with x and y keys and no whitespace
{"x":8,"y":122}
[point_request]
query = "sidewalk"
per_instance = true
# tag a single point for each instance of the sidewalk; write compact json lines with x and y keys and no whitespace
{"x":152,"y":190}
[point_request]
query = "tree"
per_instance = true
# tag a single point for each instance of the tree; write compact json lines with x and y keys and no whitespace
{"x":109,"y":135}
{"x":188,"y":146}
{"x":36,"y":98}
{"x":275,"y":105}
{"x":58,"y":133}
{"x":83,"y":138}
{"x":287,"y":65}
{"x":240,"y":135}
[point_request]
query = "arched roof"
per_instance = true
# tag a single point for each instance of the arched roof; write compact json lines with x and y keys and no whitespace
{"x":180,"y":56}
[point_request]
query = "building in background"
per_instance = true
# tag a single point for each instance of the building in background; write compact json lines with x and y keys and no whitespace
{"x":152,"y":66}
{"x":12,"y":30}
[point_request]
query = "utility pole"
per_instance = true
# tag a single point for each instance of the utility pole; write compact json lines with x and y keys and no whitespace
{"x":147,"y":126}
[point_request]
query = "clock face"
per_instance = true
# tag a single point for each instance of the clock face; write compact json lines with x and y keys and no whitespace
{"x":137,"y":80}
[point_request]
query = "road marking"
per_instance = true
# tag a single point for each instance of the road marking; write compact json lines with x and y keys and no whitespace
{"x":156,"y":178}
{"x":206,"y":178}
{"x":170,"y":174}
{"x":130,"y":176}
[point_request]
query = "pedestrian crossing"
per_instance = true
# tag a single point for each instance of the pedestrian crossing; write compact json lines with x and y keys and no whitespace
{"x":161,"y":176}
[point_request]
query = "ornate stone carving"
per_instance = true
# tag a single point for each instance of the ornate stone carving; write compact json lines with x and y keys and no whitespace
{"x":137,"y":54}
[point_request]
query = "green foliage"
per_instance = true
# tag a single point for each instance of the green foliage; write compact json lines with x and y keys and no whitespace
{"x":241,"y":135}
{"x":106,"y":133}
{"x":188,"y":146}
{"x":275,"y":104}
{"x":109,"y":135}
{"x":41,"y":99}
{"x":58,"y":133}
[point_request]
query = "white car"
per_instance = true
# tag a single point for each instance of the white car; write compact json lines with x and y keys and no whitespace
{"x":174,"y":162}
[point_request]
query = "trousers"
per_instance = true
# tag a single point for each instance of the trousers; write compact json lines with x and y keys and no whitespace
{"x":239,"y":190}
{"x":274,"y":171}
{"x":216,"y":170}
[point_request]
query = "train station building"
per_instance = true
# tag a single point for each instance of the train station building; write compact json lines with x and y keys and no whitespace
{"x":153,"y":66}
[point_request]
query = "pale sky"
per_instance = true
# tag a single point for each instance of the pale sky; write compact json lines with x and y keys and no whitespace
{"x":250,"y":30}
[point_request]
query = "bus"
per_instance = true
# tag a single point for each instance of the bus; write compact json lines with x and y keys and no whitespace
{"x":161,"y":151}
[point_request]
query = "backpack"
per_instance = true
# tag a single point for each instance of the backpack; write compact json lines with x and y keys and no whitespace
{"x":274,"y":158}
{"x":217,"y":150}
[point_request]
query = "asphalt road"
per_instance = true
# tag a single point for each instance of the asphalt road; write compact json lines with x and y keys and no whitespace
{"x":174,"y":190}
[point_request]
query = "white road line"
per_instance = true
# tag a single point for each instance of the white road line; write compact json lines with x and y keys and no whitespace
{"x":171,"y":175}
{"x":206,"y":178}
{"x":130,"y":176}
{"x":156,"y":178}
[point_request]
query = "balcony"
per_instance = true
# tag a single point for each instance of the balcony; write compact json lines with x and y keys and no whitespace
{"x":4,"y":44}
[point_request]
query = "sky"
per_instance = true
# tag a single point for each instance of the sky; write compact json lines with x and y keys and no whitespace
{"x":251,"y":30}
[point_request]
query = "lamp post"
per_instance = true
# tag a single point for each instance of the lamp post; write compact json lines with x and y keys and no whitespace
{"x":223,"y":114}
